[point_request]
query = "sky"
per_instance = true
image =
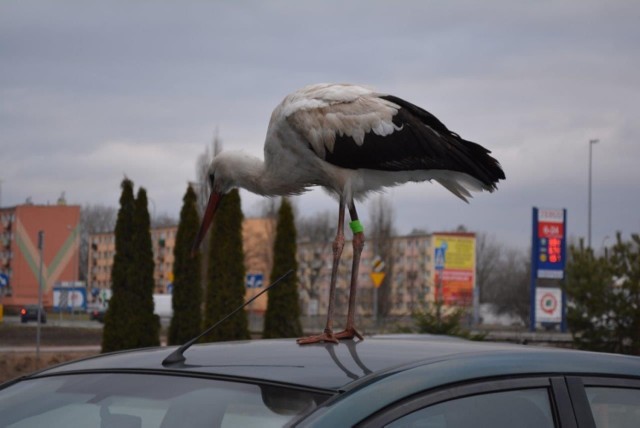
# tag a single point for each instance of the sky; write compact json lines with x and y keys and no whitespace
{"x":93,"y":91}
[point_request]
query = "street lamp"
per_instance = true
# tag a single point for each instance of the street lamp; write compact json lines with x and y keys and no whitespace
{"x":591,"y":143}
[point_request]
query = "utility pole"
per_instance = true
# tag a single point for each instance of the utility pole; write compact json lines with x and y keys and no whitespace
{"x":591,"y":143}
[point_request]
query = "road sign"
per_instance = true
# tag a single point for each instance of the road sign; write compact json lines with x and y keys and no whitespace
{"x":4,"y":280}
{"x":548,"y":304}
{"x":255,"y":280}
{"x":377,"y":265}
{"x":377,"y":271}
{"x":439,"y":257}
{"x":377,"y":278}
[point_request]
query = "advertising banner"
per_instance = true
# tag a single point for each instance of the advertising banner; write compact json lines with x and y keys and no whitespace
{"x":72,"y":298}
{"x":455,"y":256}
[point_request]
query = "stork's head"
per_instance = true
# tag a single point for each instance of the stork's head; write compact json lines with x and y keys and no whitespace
{"x":220,"y":183}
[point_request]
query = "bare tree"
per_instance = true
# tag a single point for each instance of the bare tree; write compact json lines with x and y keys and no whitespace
{"x":93,"y":219}
{"x":319,"y":228}
{"x":508,"y":289}
{"x":488,"y":259}
{"x":164,"y":220}
{"x":202,"y":171}
{"x":380,"y":237}
{"x":319,"y":231}
{"x":259,"y":239}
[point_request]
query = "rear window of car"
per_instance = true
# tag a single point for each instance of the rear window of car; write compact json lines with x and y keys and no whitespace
{"x":614,"y":407}
{"x":146,"y":400}
{"x":518,"y":408}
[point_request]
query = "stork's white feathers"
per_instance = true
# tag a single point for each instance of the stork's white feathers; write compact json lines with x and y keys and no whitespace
{"x":322,"y":112}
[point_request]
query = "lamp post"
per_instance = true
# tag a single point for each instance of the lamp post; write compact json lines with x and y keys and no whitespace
{"x":591,"y":143}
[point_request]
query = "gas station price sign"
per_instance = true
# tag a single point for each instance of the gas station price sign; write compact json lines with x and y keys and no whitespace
{"x":549,"y":242}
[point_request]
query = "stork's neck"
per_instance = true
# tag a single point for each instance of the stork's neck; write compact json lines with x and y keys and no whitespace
{"x":252,"y":174}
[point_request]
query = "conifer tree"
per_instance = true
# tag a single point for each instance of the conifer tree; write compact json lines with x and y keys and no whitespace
{"x":147,"y":324}
{"x":117,"y":332}
{"x":226,"y":273}
{"x":604,"y":292}
{"x":187,"y":294}
{"x":283,"y":308}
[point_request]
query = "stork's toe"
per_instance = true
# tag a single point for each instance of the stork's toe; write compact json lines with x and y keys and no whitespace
{"x":349,"y":333}
{"x":327,"y":336}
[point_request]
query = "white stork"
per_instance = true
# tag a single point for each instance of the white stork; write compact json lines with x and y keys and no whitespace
{"x":351,"y":141}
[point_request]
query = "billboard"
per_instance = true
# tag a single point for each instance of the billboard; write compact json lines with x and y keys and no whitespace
{"x":455,"y":267}
{"x":70,"y":296}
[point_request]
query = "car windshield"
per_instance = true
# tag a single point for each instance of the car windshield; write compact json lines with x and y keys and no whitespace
{"x":146,"y":400}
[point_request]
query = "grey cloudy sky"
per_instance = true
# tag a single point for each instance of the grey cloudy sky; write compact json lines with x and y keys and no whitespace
{"x":91,"y":91}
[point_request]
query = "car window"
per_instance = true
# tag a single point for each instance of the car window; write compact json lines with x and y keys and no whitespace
{"x":508,"y":409}
{"x":614,"y":407}
{"x":149,"y":401}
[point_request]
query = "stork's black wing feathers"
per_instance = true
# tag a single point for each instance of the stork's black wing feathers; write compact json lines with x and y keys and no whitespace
{"x":422,"y":142}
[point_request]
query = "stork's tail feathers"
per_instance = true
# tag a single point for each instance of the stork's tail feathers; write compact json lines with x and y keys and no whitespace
{"x":484,"y":167}
{"x":461,"y":155}
{"x":462,"y":185}
{"x":482,"y":172}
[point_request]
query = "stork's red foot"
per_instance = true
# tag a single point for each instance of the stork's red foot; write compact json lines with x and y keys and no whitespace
{"x":327,"y":336}
{"x":349,"y":333}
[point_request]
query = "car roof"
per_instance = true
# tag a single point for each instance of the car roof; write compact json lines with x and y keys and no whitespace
{"x":344,"y":366}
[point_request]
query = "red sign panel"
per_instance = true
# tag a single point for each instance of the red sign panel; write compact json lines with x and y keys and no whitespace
{"x":550,"y":230}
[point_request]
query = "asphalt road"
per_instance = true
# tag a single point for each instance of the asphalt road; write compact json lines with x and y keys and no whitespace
{"x":55,"y":320}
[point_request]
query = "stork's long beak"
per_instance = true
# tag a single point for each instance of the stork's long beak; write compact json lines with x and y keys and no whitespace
{"x":212,"y":206}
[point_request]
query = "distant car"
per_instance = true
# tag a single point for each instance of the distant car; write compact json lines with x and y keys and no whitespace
{"x":97,"y":314}
{"x":387,"y":381}
{"x":30,"y":313}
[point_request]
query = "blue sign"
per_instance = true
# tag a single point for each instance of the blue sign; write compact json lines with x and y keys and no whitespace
{"x":548,"y":256}
{"x":549,"y":243}
{"x":170,"y":288}
{"x":69,"y":298}
{"x":4,"y":280}
{"x":440,"y":256}
{"x":255,"y":280}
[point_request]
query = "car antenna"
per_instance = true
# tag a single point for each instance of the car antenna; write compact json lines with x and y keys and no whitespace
{"x":177,"y":355}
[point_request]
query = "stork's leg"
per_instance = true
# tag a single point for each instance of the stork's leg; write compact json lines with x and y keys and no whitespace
{"x":358,"y":244}
{"x":338,"y":245}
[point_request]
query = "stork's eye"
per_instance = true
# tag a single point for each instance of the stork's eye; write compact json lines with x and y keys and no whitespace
{"x":211,"y":179}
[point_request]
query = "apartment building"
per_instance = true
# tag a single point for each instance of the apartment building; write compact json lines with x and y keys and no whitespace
{"x":412,"y":273}
{"x":20,"y":263}
{"x":258,"y":236}
{"x":102,"y":250}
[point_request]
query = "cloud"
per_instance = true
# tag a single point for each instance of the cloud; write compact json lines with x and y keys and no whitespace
{"x":90,"y":91}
